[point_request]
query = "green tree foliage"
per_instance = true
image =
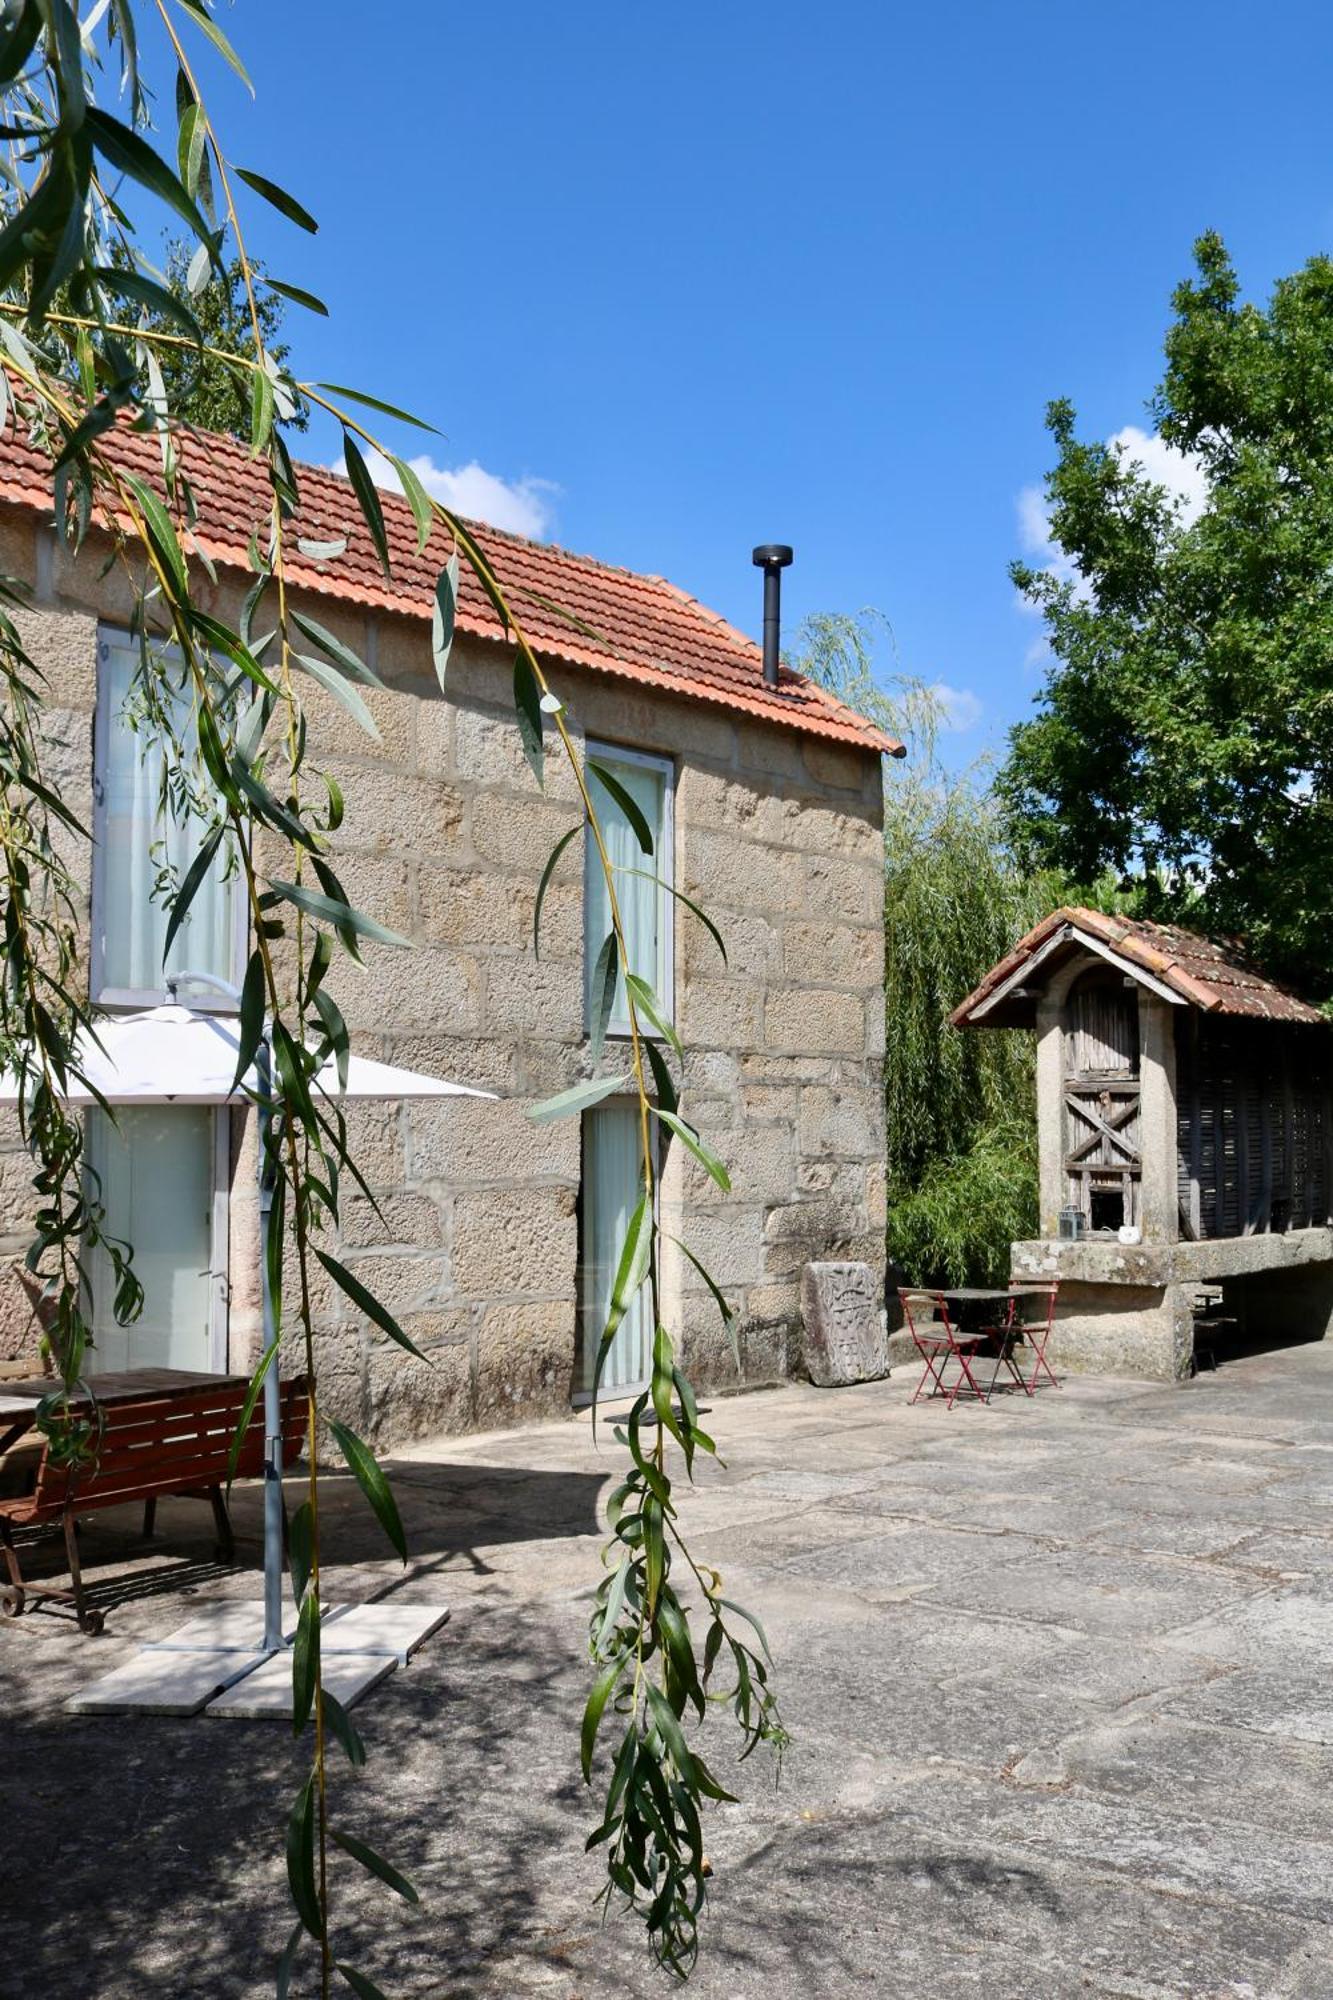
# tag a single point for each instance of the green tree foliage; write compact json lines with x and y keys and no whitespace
{"x":201,"y":388}
{"x":1185,"y":738}
{"x":959,"y":1107}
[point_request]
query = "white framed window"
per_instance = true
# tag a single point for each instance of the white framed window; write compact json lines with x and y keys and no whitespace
{"x":139,"y":843}
{"x":161,"y":1175}
{"x":610,"y":1184}
{"x":643,"y":881}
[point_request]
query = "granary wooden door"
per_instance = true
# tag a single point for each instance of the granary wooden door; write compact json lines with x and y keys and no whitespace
{"x":1102,"y":1125}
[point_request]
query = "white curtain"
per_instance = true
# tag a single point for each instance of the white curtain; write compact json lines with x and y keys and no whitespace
{"x":612,"y":1181}
{"x":641,"y":902}
{"x":138,"y":839}
{"x":154,"y":1168}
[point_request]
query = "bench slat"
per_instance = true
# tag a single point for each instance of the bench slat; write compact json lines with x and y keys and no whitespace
{"x":165,"y":1444}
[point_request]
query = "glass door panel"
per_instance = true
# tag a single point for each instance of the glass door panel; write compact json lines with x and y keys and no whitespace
{"x":155,"y":1166}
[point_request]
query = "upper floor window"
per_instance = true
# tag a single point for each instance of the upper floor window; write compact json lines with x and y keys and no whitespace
{"x":145,"y":837}
{"x":643,"y":881}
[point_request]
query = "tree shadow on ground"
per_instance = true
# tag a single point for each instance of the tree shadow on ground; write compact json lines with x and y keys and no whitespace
{"x":151,"y":1862}
{"x":451,"y":1513}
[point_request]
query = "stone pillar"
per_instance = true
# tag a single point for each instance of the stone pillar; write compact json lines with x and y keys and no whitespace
{"x":1159,"y":1192}
{"x":1050,"y":1111}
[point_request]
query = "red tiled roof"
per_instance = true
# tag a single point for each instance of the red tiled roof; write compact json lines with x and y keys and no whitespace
{"x":639,"y":627}
{"x":1212,"y":976}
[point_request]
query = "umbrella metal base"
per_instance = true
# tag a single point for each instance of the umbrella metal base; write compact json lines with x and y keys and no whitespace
{"x":215,"y":1663}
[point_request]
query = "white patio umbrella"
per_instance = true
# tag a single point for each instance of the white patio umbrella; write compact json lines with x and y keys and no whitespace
{"x":178,"y":1055}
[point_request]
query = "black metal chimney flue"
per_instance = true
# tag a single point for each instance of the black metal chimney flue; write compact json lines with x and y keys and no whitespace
{"x":772,"y":559}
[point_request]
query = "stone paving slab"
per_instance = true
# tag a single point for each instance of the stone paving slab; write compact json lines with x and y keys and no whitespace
{"x":266,"y":1694}
{"x":1036,"y":1758}
{"x":162,"y":1681}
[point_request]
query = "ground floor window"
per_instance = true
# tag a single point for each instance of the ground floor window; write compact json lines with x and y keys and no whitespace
{"x":612,"y":1177}
{"x":162,"y":1174}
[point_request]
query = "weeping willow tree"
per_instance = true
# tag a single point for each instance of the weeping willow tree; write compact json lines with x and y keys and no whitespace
{"x":91,"y":346}
{"x":959,"y":1108}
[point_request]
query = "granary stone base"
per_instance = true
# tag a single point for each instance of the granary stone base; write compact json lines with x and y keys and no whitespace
{"x":1123,"y":1330}
{"x":1127,"y":1309}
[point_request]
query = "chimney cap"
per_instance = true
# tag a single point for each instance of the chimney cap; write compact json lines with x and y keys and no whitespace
{"x":771,"y":555}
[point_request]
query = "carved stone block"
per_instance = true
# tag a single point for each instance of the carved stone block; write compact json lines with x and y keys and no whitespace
{"x":845,"y":1340}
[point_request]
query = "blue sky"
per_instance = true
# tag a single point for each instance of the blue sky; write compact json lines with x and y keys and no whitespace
{"x":689,"y":279}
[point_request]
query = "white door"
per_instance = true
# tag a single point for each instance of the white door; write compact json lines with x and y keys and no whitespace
{"x":612,"y":1180}
{"x":156,"y":1168}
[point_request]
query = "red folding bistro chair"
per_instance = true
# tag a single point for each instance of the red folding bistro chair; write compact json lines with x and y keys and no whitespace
{"x":1029,"y":1322}
{"x":938,"y":1341}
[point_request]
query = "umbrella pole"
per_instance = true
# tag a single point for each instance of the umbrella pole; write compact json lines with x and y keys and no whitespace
{"x":273,"y":1536}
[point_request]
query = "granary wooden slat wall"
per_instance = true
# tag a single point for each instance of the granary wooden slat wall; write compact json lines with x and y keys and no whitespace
{"x":1253,"y":1126}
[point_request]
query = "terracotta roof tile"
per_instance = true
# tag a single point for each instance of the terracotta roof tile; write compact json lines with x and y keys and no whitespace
{"x":1212,"y":975}
{"x":572,"y":608}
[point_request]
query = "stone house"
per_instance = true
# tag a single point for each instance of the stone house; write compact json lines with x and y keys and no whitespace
{"x":497,"y":1233}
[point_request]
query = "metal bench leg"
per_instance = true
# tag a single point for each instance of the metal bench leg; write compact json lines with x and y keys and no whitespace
{"x":149,"y":1518}
{"x":12,"y":1598}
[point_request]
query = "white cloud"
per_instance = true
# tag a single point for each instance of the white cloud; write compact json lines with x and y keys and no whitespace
{"x":1034,"y":521}
{"x":1034,"y":532}
{"x":521,"y":506}
{"x":1182,"y":475}
{"x":961,"y":709}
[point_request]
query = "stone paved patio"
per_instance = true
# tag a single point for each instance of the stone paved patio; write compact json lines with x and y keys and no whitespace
{"x":1060,"y":1676}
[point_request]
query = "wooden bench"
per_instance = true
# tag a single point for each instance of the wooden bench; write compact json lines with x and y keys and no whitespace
{"x":175,"y":1441}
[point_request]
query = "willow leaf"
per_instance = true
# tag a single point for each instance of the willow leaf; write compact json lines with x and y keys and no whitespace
{"x":635,"y":1257}
{"x":552,"y":861}
{"x":185,"y":895}
{"x":363,"y":1986}
{"x":528,"y":707}
{"x":340,"y":915}
{"x":707,"y":1159}
{"x":369,"y":1476}
{"x":375,"y":1864}
{"x":337,"y":684}
{"x":443,"y":616}
{"x":417,"y":498}
{"x":680,"y":896}
{"x":367,"y":496}
{"x":305,"y":1662}
{"x":577,"y":1098}
{"x":592,"y":1715}
{"x":298,"y":296}
{"x":647,"y":1001}
{"x":199,"y":14}
{"x":266,"y":1360}
{"x":601,"y":994}
{"x":628,"y":804}
{"x":662,"y":1078}
{"x":366,"y":1302}
{"x":374,"y":403}
{"x":278,"y":197}
{"x":301,"y":1859}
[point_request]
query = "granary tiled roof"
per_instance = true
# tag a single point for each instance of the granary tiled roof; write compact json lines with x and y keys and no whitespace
{"x":1209,"y":975}
{"x":572,"y":608}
